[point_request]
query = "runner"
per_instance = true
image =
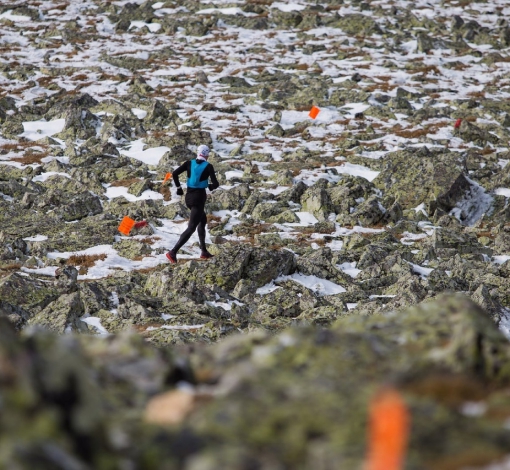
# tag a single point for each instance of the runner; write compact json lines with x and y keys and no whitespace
{"x":199,"y":170}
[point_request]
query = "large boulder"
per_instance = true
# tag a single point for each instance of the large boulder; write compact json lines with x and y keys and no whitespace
{"x":355,"y":24}
{"x":457,"y":240}
{"x":21,"y":297}
{"x":81,"y":206}
{"x":421,"y":176}
{"x":229,"y":199}
{"x":472,"y":133}
{"x":63,"y":395}
{"x":267,"y":210}
{"x":320,"y":263}
{"x":62,"y":315}
{"x":231,"y":264}
{"x":316,"y":200}
{"x":438,"y":354}
{"x":367,"y":214}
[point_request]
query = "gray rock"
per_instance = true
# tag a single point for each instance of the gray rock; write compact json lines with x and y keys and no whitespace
{"x":276,"y":131}
{"x":460,"y":242}
{"x":266,"y":210}
{"x":489,"y":303}
{"x":81,"y":206}
{"x":25,"y":296}
{"x":63,"y":313}
{"x":287,"y":216}
{"x":234,"y":81}
{"x":232,"y":199}
{"x":132,"y":249}
{"x":293,"y":194}
{"x":368,"y":213}
{"x":316,"y":200}
{"x":136,"y":189}
{"x":471,"y":133}
{"x":319,"y":263}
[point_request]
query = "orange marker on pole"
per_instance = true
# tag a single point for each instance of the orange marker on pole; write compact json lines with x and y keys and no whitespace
{"x":389,"y":431}
{"x":126,"y":225}
{"x":314,"y":112}
{"x":167,"y":177}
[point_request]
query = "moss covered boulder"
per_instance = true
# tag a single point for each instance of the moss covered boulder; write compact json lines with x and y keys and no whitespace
{"x":302,"y":397}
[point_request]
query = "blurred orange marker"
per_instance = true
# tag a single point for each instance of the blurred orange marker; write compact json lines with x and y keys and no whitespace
{"x":389,"y":431}
{"x":126,"y":225}
{"x":167,"y":177}
{"x":314,"y":112}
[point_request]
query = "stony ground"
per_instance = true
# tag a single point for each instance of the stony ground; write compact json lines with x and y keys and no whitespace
{"x":339,"y":241}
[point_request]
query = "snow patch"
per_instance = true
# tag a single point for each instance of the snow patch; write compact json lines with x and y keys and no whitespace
{"x":36,"y":130}
{"x":320,"y":286}
{"x":349,"y":268}
{"x":502,"y":192}
{"x":357,"y":170}
{"x":473,"y":206}
{"x":225,"y":11}
{"x":151,"y":156}
{"x":139,"y":113}
{"x":44,"y":176}
{"x":36,"y":238}
{"x":175,"y":327}
{"x":291,"y":6}
{"x":118,"y":191}
{"x":153,"y":27}
{"x":421,"y":270}
{"x":504,"y":323}
{"x":96,"y":323}
{"x":14,"y":18}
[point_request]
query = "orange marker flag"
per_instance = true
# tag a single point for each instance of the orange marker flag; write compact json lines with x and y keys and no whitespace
{"x":167,"y":177}
{"x":314,"y":112}
{"x":126,"y":225}
{"x":389,"y":431}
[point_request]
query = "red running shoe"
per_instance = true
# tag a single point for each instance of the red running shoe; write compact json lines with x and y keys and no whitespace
{"x":172,"y":257}
{"x":205,"y":255}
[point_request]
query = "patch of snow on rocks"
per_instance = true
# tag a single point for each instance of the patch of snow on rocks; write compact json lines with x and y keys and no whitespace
{"x":96,"y":323}
{"x":36,"y":130}
{"x":320,"y":286}
{"x":151,"y":156}
{"x":504,"y":323}
{"x":502,"y":192}
{"x":473,"y":206}
{"x":349,"y":268}
{"x":8,"y":15}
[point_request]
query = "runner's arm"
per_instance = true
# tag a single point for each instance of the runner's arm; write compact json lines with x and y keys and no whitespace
{"x":178,"y":171}
{"x":214,"y":181}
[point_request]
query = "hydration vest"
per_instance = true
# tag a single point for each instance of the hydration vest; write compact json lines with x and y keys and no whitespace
{"x":197,"y":168}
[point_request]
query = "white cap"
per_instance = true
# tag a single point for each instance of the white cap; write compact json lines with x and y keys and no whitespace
{"x":203,"y":151}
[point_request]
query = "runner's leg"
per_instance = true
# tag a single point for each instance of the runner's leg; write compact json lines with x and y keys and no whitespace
{"x":201,"y":231}
{"x":194,"y":219}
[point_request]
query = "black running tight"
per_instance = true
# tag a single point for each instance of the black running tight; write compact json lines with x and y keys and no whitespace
{"x":195,"y":201}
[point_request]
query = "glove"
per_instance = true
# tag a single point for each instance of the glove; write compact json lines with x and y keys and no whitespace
{"x":211,"y":187}
{"x":180,"y":192}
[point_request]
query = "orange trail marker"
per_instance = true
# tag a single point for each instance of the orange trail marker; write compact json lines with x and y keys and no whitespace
{"x":167,"y":177}
{"x":389,"y":431}
{"x":314,"y":112}
{"x":126,"y":225}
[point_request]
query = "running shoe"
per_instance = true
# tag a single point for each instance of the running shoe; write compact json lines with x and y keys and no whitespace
{"x":172,"y":257}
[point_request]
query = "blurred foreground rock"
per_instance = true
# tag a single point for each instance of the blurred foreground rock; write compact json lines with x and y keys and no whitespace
{"x":293,"y":400}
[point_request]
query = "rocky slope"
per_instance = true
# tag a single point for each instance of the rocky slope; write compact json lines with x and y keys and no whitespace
{"x":322,"y":229}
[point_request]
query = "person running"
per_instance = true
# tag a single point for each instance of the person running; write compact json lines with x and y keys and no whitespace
{"x":199,"y":170}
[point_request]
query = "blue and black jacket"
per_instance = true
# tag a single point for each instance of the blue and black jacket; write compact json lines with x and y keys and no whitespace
{"x":198,"y":172}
